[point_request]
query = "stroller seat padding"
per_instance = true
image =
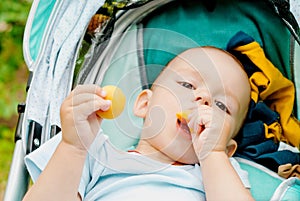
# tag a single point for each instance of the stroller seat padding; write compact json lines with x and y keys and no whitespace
{"x":174,"y":28}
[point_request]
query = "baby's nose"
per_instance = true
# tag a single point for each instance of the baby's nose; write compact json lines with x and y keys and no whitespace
{"x":203,"y":98}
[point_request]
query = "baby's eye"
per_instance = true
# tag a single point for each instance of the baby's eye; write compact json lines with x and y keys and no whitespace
{"x":187,"y":85}
{"x":222,"y":106}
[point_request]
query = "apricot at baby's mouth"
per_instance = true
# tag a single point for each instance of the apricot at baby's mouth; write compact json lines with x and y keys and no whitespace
{"x":182,"y":122}
{"x":183,"y":125}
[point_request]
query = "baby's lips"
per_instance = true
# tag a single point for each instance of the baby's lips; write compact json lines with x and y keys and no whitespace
{"x":183,"y":117}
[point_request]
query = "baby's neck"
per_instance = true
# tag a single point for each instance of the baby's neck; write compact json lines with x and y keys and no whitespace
{"x":146,"y":149}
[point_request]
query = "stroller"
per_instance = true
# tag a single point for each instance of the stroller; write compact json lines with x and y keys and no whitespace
{"x":127,"y":43}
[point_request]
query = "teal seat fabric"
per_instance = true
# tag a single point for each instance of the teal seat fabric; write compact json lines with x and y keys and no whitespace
{"x":176,"y":27}
{"x":267,"y":185}
{"x":263,"y":181}
{"x":44,"y":8}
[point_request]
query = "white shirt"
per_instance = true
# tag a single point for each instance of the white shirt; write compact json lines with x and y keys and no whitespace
{"x":110,"y":174}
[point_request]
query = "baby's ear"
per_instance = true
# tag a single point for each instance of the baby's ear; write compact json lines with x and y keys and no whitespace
{"x":231,"y":147}
{"x":140,"y":107}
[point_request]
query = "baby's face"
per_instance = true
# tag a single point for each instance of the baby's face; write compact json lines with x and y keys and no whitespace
{"x":197,"y":76}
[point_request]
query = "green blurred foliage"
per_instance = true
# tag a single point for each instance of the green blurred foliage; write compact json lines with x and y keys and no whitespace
{"x":13,"y":77}
{"x":13,"y":15}
{"x":6,"y":149}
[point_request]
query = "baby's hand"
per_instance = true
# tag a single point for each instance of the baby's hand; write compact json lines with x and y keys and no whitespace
{"x":79,"y":121}
{"x":211,"y":130}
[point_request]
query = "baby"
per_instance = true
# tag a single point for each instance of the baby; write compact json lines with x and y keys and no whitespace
{"x":176,"y":158}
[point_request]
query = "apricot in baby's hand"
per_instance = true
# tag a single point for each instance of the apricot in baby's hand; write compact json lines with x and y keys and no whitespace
{"x":117,"y":98}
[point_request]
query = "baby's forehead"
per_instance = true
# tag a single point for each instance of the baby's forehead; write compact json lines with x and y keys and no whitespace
{"x":180,"y":67}
{"x":202,"y":59}
{"x":192,"y":62}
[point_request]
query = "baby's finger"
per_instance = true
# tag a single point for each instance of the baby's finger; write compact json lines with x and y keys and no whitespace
{"x":89,"y":88}
{"x":83,"y":98}
{"x":199,"y":120}
{"x":91,"y":106}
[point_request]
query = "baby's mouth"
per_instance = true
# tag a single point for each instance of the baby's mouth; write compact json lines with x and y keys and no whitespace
{"x":183,"y":125}
{"x":182,"y":122}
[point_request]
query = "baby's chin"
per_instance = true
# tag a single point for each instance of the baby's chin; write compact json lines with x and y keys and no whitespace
{"x":188,"y":159}
{"x":187,"y":162}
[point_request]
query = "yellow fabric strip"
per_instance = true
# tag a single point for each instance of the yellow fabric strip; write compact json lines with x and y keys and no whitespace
{"x":275,"y":90}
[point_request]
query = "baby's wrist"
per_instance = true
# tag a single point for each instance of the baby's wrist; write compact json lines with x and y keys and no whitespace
{"x":73,"y":149}
{"x":213,"y":156}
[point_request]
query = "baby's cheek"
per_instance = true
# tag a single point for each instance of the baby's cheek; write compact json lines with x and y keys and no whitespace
{"x":155,"y":121}
{"x":230,"y":128}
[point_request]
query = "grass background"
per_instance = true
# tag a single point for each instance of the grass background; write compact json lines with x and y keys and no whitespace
{"x":13,"y":77}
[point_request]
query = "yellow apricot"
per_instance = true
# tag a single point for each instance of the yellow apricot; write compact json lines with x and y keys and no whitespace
{"x":118,"y":100}
{"x":183,"y":115}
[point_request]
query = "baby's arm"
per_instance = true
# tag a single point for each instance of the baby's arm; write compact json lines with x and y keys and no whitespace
{"x":221,"y":182}
{"x":212,"y":131}
{"x":61,"y":177}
